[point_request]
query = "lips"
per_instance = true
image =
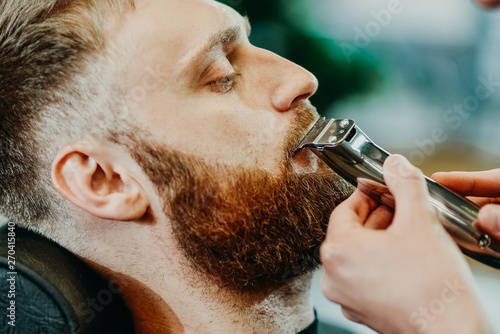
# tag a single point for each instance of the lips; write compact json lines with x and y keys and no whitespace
{"x":304,"y":160}
{"x":305,"y":118}
{"x":303,"y":131}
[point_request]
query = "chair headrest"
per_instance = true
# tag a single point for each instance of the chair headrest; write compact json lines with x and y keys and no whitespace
{"x":50,"y":290}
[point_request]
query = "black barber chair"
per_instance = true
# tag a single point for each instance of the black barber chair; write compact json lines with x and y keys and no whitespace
{"x":54,"y":292}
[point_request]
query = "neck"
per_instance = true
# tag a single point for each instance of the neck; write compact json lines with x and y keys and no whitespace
{"x":183,"y":307}
{"x":166,"y":297}
{"x":165,"y":300}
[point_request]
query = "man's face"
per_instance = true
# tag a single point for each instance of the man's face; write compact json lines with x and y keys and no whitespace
{"x":223,"y":119}
{"x":199,"y":86}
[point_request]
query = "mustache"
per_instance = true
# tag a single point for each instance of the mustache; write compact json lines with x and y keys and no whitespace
{"x":305,"y":117}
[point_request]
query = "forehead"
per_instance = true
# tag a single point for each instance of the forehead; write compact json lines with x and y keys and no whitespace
{"x":170,"y":31}
{"x":181,"y":14}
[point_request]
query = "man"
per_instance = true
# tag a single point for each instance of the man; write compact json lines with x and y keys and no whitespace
{"x":154,"y":141}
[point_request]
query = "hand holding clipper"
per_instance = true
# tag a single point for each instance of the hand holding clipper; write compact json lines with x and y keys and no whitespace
{"x":349,"y":152}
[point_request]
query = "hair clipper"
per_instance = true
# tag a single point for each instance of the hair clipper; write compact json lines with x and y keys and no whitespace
{"x":351,"y":154}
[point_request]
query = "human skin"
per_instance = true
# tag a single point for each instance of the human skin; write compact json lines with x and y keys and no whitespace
{"x":483,"y":188}
{"x":489,"y":3}
{"x":393,"y":314}
{"x":388,"y":270}
{"x":234,"y":95}
{"x":198,"y":86}
{"x":237,"y":96}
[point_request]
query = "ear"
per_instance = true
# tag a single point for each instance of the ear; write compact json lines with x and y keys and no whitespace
{"x":94,"y":179}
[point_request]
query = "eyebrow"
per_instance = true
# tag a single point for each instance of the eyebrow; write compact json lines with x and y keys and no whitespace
{"x":225,"y":36}
{"x":228,"y":35}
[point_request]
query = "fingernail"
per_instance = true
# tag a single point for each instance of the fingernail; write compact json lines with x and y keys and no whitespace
{"x":401,"y":166}
{"x":397,"y":159}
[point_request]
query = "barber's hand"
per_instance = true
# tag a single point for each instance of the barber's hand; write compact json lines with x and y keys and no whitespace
{"x":489,"y":3}
{"x":398,"y":272}
{"x":483,"y":188}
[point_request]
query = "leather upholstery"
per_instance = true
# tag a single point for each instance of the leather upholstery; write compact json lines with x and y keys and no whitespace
{"x":56,"y":292}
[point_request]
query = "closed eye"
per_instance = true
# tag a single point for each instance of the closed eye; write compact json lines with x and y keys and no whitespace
{"x":225,"y":84}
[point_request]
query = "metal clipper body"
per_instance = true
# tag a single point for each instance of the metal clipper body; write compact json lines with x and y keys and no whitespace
{"x":352,"y":155}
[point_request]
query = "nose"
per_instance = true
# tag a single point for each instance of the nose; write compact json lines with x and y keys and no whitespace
{"x":295,"y":84}
{"x":288,"y":82}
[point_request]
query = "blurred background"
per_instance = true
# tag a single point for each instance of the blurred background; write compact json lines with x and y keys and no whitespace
{"x":421,"y":78}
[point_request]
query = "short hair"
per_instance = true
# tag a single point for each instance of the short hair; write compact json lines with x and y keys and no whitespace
{"x":50,"y":52}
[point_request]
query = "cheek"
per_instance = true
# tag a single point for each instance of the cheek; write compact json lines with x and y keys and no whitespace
{"x":263,"y":130}
{"x":252,"y":137}
{"x":222,"y":129}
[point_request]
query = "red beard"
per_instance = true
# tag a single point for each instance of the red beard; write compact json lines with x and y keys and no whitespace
{"x":245,"y":228}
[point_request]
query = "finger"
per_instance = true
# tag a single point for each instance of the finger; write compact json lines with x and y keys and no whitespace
{"x":482,"y":201}
{"x":485,"y":183}
{"x":352,"y":212}
{"x":347,"y":217}
{"x":409,"y":188}
{"x":489,"y":3}
{"x":489,"y":219}
{"x":380,"y":219}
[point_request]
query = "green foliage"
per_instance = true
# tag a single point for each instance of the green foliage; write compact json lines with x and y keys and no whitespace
{"x":338,"y":77}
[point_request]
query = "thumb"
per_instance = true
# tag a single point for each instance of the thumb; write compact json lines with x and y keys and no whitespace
{"x":407,"y":185}
{"x":489,"y":219}
{"x":351,"y":213}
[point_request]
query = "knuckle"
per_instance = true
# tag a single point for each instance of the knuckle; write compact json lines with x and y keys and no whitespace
{"x":401,"y":168}
{"x":415,"y":175}
{"x":414,"y":182}
{"x":331,"y":254}
{"x":325,"y":252}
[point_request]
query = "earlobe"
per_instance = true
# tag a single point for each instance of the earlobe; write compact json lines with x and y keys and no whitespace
{"x":96,"y":182}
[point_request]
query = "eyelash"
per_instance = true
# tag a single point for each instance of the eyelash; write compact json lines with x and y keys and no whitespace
{"x":226,"y":84}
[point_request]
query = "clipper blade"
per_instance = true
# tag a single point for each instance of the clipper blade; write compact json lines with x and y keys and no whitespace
{"x":327,"y":132}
